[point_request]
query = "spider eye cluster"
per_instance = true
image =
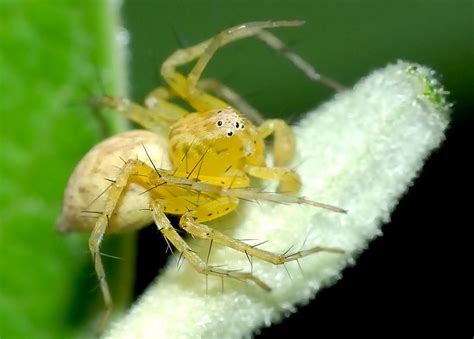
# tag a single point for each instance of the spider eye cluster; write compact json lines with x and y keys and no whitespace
{"x":237,"y":124}
{"x":230,"y":120}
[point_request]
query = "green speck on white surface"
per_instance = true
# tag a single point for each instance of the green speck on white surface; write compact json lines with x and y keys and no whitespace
{"x":432,"y":88}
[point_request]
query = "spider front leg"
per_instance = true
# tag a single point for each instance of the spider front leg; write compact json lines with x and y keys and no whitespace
{"x":190,"y":222}
{"x":159,"y":99}
{"x":132,"y":169}
{"x":170,"y":233}
{"x":186,"y":87}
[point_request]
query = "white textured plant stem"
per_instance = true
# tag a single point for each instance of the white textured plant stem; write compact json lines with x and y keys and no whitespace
{"x":360,"y":151}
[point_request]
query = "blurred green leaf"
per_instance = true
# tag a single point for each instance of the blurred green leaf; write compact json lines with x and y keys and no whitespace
{"x":51,"y":54}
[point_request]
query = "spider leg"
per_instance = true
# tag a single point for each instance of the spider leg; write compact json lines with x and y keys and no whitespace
{"x":289,"y":180}
{"x":283,"y":139}
{"x":190,"y":222}
{"x":228,"y":94}
{"x":130,"y":169}
{"x":170,"y":233}
{"x":94,"y":246}
{"x":246,"y":193}
{"x":252,"y":194}
{"x":159,"y":98}
{"x":157,"y":115}
{"x":274,"y":42}
{"x":186,"y":87}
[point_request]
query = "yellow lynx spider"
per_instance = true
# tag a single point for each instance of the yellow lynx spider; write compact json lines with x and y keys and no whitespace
{"x":213,"y":151}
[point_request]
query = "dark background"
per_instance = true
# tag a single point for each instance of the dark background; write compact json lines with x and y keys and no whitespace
{"x":415,"y":277}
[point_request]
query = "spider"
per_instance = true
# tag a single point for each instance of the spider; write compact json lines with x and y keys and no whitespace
{"x":213,"y":152}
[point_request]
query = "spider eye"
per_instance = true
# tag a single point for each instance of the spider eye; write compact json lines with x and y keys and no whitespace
{"x":236,"y":125}
{"x":242,"y":126}
{"x":230,"y":134}
{"x":219,"y":123}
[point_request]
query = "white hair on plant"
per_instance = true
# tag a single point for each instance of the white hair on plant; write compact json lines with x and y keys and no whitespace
{"x":360,"y":151}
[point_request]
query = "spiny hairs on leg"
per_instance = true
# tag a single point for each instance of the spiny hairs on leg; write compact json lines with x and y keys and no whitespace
{"x":205,"y":50}
{"x":243,"y":193}
{"x":252,"y":194}
{"x":248,"y":193}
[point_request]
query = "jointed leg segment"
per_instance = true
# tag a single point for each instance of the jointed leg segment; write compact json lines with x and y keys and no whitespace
{"x":157,"y":116}
{"x":190,"y":223}
{"x":170,"y":233}
{"x":186,"y":87}
{"x":131,"y":168}
{"x":283,"y":139}
{"x":289,"y":180}
{"x":158,"y":106}
{"x":94,"y":246}
{"x":228,"y":94}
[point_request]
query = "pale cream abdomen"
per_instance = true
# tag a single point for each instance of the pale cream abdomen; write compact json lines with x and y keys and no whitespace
{"x":84,"y":193}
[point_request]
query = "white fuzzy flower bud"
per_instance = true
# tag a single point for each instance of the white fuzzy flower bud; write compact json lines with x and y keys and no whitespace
{"x":361,"y":151}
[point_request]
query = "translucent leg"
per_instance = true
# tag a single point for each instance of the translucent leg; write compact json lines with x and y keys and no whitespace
{"x":308,"y":69}
{"x":283,"y":140}
{"x":190,"y":223}
{"x":226,"y":93}
{"x":255,"y":195}
{"x":159,"y":99}
{"x":245,"y":193}
{"x":170,"y":233}
{"x":289,"y":180}
{"x":187,"y":87}
{"x":131,"y":167}
{"x":157,"y":116}
{"x":227,"y":36}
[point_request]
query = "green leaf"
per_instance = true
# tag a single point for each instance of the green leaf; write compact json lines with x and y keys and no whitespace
{"x":51,"y":54}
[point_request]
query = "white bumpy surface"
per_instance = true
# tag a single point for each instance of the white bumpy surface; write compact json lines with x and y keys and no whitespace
{"x":360,"y":151}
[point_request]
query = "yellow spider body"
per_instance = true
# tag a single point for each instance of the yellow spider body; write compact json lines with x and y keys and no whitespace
{"x":213,"y":152}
